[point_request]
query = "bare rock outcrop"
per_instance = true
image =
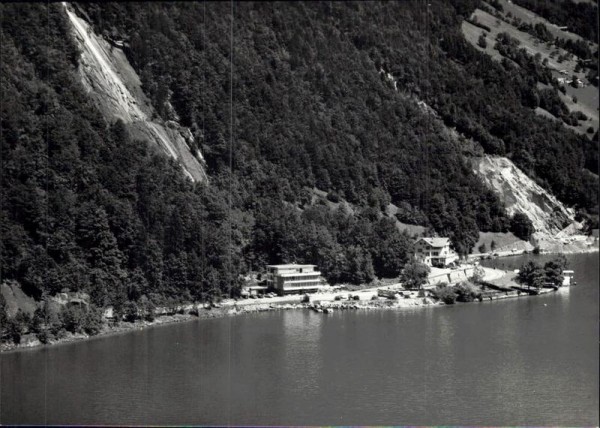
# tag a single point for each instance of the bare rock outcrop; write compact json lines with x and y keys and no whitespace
{"x":116,"y":88}
{"x":521,"y":194}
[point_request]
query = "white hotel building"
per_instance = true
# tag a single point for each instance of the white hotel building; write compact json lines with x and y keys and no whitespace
{"x":292,"y":278}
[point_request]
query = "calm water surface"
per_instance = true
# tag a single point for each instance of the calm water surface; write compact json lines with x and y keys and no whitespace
{"x":527,"y":361}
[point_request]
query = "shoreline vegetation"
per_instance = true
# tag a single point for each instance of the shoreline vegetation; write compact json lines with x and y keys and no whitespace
{"x":323,"y":302}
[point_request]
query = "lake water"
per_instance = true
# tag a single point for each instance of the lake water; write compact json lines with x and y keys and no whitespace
{"x":526,"y":361}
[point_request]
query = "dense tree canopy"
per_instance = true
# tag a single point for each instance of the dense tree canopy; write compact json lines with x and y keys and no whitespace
{"x":295,"y":102}
{"x":534,"y":275}
{"x":304,"y":74}
{"x":521,"y":226}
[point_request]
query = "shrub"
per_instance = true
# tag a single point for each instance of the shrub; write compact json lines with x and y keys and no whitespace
{"x":131,"y":312}
{"x":521,"y":226}
{"x":445,"y":294}
{"x":78,"y":319}
{"x":478,"y":274}
{"x":478,"y":24}
{"x":333,"y":197}
{"x":92,"y":321}
{"x":467,"y":292}
{"x":150,"y":309}
{"x":481,"y":41}
{"x":71,"y":318}
{"x":43,"y":336}
{"x":305,"y":299}
{"x":13,"y":331}
{"x":54,"y":328}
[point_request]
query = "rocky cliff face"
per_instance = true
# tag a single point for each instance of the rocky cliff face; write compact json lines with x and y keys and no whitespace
{"x":553,"y":221}
{"x":521,"y":194}
{"x":109,"y":78}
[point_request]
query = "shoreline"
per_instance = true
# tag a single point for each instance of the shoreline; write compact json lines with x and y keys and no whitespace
{"x":112,"y":330}
{"x":320,"y":302}
{"x":504,"y":254}
{"x":325,"y":307}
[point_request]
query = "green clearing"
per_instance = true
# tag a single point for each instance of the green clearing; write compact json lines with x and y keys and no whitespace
{"x":527,"y":41}
{"x":16,"y":299}
{"x":587,"y":96}
{"x":472,"y":33}
{"x":587,"y":103}
{"x":503,"y":242}
{"x":532,"y":18}
{"x":545,"y":113}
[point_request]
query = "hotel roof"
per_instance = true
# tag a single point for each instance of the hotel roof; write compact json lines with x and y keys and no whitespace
{"x":289,"y":266}
{"x":300,"y":274}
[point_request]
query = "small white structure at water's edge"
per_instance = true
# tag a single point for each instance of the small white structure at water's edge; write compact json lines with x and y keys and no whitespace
{"x":567,"y":277}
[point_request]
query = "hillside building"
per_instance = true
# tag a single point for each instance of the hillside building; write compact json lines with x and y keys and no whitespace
{"x":292,"y":278}
{"x":435,"y":252}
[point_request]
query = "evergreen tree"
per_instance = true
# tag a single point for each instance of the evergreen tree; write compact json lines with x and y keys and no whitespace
{"x":521,"y":226}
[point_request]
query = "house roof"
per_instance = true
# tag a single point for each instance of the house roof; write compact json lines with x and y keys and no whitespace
{"x":436,"y":242}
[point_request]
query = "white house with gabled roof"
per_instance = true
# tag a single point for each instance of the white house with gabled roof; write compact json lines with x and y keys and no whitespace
{"x":435,"y":251}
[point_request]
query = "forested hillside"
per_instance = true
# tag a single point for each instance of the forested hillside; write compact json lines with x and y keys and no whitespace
{"x":83,"y":206}
{"x":283,"y":98}
{"x":317,"y":62}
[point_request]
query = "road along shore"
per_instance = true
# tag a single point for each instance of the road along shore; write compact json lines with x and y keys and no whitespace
{"x":324,"y":302}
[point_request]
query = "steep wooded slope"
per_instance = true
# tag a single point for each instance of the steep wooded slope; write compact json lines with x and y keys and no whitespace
{"x":109,"y":79}
{"x":309,"y":110}
{"x":293,"y":102}
{"x":84,"y":206}
{"x":302,"y":76}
